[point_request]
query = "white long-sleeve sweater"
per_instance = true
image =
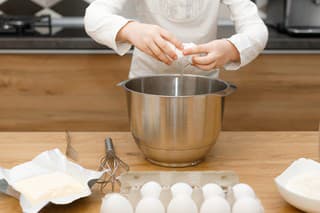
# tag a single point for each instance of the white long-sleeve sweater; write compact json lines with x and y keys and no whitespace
{"x":189,"y":20}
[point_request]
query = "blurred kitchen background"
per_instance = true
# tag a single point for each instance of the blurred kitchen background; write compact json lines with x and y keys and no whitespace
{"x":54,"y":77}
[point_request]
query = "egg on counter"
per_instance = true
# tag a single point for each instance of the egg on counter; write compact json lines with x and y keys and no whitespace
{"x":115,"y":203}
{"x":181,"y":188}
{"x":215,"y":204}
{"x":242,"y":190}
{"x":247,"y":205}
{"x":214,"y":199}
{"x":212,"y":189}
{"x":182,"y":201}
{"x":150,"y":202}
{"x":151,"y":188}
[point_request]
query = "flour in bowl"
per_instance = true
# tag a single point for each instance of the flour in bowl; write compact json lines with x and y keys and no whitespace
{"x":306,"y":185}
{"x":50,"y":186}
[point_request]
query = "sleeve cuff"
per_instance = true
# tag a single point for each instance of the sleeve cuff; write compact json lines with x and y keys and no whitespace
{"x":106,"y":35}
{"x":120,"y":47}
{"x":232,"y":66}
{"x":242,"y":43}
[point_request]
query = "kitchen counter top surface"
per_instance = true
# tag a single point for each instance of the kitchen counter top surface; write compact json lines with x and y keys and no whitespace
{"x":77,"y":40}
{"x":257,"y":157}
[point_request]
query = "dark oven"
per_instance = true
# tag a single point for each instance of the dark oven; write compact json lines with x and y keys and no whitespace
{"x":302,"y":16}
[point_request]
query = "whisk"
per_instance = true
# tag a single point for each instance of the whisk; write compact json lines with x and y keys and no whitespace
{"x":113,"y":164}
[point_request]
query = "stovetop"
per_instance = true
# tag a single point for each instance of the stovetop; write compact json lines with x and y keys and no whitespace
{"x":71,"y":32}
{"x":44,"y":33}
{"x":25,"y":25}
{"x":40,"y":26}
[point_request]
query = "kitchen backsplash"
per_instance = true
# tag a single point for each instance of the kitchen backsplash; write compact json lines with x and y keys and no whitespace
{"x":76,"y":8}
{"x":55,"y":8}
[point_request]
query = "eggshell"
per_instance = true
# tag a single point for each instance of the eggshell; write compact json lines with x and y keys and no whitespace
{"x":242,"y":190}
{"x":215,"y":204}
{"x":150,"y":204}
{"x":115,"y":203}
{"x":247,"y":205}
{"x":180,"y":54}
{"x":151,"y":189}
{"x":212,"y":189}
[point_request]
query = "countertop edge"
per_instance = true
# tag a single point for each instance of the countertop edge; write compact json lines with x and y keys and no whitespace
{"x":111,"y":52}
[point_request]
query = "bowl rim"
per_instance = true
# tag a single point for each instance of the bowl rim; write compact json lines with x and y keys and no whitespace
{"x":227,"y":84}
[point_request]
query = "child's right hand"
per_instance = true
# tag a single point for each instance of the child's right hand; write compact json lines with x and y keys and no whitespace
{"x":151,"y":39}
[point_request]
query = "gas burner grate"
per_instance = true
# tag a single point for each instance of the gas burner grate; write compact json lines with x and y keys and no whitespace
{"x":25,"y":25}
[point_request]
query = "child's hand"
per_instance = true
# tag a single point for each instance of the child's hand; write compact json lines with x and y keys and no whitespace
{"x":151,"y":39}
{"x":213,"y":54}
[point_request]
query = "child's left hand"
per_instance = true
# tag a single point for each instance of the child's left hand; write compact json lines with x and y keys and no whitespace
{"x":214,"y":54}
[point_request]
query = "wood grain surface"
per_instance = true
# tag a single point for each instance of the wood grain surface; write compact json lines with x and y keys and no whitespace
{"x":79,"y":92}
{"x":257,"y":157}
{"x":19,"y":147}
{"x":62,"y":92}
{"x":275,"y":92}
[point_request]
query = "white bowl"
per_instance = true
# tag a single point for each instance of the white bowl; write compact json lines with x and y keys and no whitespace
{"x":298,"y":167}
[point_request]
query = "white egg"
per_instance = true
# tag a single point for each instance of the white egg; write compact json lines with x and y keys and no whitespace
{"x":182,"y":203}
{"x":179,"y":53}
{"x":215,"y":204}
{"x":151,"y":189}
{"x":115,"y":203}
{"x":242,"y":190}
{"x":247,"y":205}
{"x":212,"y":189}
{"x":150,"y":204}
{"x":181,"y":188}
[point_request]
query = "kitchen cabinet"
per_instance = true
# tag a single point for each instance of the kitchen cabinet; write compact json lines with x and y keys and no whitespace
{"x":257,"y":157}
{"x":275,"y":92}
{"x":79,"y":92}
{"x":58,"y":92}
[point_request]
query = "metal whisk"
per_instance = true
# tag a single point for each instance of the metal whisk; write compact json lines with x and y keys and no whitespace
{"x":113,"y":164}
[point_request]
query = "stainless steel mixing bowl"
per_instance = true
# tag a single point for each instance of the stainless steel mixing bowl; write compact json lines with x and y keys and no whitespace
{"x":175,"y":119}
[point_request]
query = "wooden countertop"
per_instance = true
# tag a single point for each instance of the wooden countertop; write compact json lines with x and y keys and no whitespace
{"x":257,"y":157}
